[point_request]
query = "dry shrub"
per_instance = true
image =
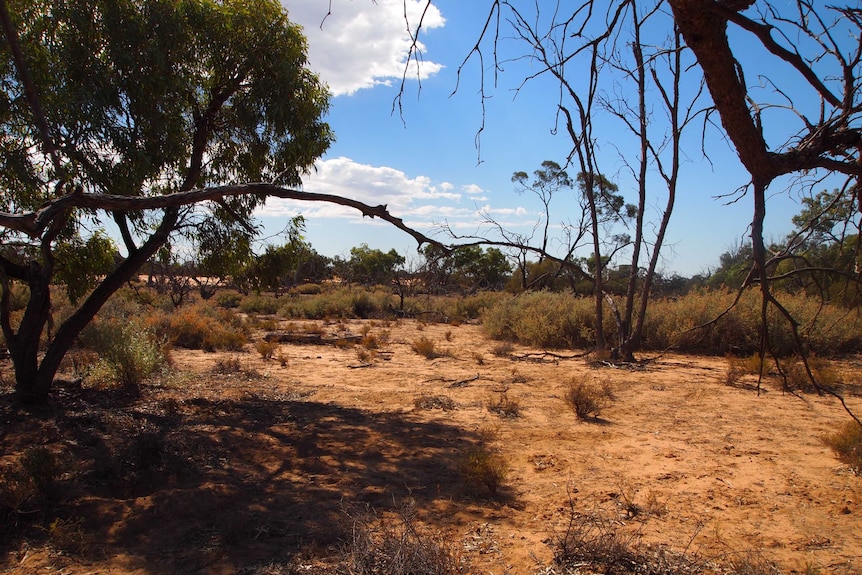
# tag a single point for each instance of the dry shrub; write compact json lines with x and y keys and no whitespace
{"x":370,"y":341}
{"x":398,"y":546}
{"x":366,"y":356}
{"x":201,"y":326}
{"x":482,"y":468}
{"x":738,"y":367}
{"x":503,"y":349}
{"x":847,"y":445}
{"x":586,"y":397}
{"x":428,"y":401}
{"x":427,"y":348}
{"x":544,"y":319}
{"x":504,"y":406}
{"x":265,"y":348}
{"x":478,"y":358}
{"x":68,"y":536}
{"x":600,"y":545}
{"x":227,"y":366}
{"x":796,"y":378}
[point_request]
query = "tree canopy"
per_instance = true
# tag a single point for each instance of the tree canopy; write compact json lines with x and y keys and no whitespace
{"x":144,"y":114}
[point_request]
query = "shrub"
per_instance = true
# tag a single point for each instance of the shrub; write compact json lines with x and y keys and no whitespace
{"x":737,"y":367}
{"x":503,"y":349}
{"x":40,"y":467}
{"x":338,"y":303}
{"x":259,"y":304}
{"x":847,"y":445}
{"x":504,"y":406}
{"x":201,"y":326}
{"x":227,"y":366}
{"x":307,"y":289}
{"x":796,"y":377}
{"x":427,"y":401}
{"x":482,"y":468}
{"x":399,"y":547}
{"x":426,"y":348}
{"x":228,"y":299}
{"x":128,"y":354}
{"x":265,"y":348}
{"x":586,"y":398}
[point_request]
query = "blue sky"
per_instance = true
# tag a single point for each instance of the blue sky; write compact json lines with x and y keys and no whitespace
{"x":425,"y":165}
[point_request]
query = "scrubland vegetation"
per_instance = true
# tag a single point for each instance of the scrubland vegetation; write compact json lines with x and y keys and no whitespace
{"x":130,"y":347}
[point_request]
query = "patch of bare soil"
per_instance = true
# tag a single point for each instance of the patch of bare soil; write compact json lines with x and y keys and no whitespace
{"x":236,"y":464}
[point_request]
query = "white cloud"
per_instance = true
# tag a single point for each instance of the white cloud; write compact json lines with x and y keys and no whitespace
{"x":373,"y":185}
{"x":362,"y":44}
{"x":472,"y":190}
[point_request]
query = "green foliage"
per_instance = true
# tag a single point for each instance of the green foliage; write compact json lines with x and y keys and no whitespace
{"x":465,"y":268}
{"x":228,"y":299}
{"x":80,"y":263}
{"x":543,"y":319}
{"x":343,"y":302}
{"x":371,"y":266}
{"x":484,"y":469}
{"x":559,"y":320}
{"x":846,"y":442}
{"x":128,"y":354}
{"x":259,"y":304}
{"x":143,"y":99}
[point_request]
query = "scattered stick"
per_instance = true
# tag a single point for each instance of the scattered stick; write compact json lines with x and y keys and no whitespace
{"x":360,"y":366}
{"x":544,"y":355}
{"x":464,"y":382}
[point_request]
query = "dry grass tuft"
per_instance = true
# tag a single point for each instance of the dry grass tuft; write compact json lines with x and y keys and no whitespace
{"x":398,"y":546}
{"x":587,"y":398}
{"x":847,"y":445}
{"x":428,"y":349}
{"x":504,"y":406}
{"x":427,"y":401}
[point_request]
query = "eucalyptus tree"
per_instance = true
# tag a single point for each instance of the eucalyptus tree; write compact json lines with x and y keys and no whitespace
{"x":160,"y":117}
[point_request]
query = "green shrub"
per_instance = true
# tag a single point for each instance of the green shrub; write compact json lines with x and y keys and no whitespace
{"x":128,"y":353}
{"x":259,"y":304}
{"x":345,"y":302}
{"x":482,"y":468}
{"x":228,"y":299}
{"x":307,"y":289}
{"x":559,"y":320}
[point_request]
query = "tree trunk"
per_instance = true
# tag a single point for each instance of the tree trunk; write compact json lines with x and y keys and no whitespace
{"x":33,"y":380}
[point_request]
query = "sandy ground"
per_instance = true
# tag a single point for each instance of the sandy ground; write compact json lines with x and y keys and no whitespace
{"x":286,"y":453}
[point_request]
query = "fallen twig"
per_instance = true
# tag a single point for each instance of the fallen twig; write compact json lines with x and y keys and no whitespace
{"x":464,"y":382}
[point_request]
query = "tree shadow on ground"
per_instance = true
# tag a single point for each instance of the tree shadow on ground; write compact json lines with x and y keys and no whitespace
{"x":179,"y":486}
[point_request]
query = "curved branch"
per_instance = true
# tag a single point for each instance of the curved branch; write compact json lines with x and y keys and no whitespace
{"x":34,"y":223}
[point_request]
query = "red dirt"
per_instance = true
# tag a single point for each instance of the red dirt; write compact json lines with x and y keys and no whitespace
{"x":249,"y":470}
